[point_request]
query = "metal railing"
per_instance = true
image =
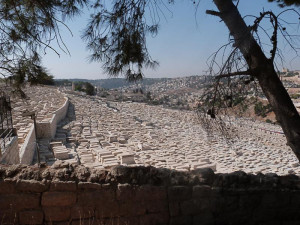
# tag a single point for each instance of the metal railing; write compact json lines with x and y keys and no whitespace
{"x":5,"y":138}
{"x":7,"y":132}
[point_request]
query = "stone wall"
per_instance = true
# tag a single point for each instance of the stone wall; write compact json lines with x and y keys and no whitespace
{"x":28,"y":148}
{"x":48,"y":129}
{"x":64,"y":194}
{"x":44,"y":130}
{"x":11,"y":154}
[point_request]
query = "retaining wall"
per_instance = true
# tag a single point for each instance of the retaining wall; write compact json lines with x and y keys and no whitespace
{"x":44,"y":130}
{"x":28,"y":147}
{"x":64,"y":194}
{"x":48,"y":129}
{"x":11,"y":154}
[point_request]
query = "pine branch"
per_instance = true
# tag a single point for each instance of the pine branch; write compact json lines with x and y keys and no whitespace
{"x":213,"y":13}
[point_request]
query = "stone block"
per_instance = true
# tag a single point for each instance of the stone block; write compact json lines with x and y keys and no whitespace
{"x":7,"y":186}
{"x":101,"y":196}
{"x":174,"y":209}
{"x":123,"y":221}
{"x":275,"y":200}
{"x":55,"y":144}
{"x":193,"y":206}
{"x":31,"y":186}
{"x":291,"y":222}
{"x":249,"y":202}
{"x":224,"y":203}
{"x":207,"y":218}
{"x":63,"y":186}
{"x":290,"y":214}
{"x":179,"y":193}
{"x":188,"y":207}
{"x":19,"y":201}
{"x":273,"y":222}
{"x":126,"y":192}
{"x":202,"y":191}
{"x":295,"y":199}
{"x":58,"y":198}
{"x":237,"y":217}
{"x":205,"y":175}
{"x":58,"y":223}
{"x":127,"y":159}
{"x":132,"y":208}
{"x":90,"y":221}
{"x":181,"y":220}
{"x":157,"y":206}
{"x":151,"y":193}
{"x":112,"y":139}
{"x":261,"y":216}
{"x":107,"y":209}
{"x":89,"y":186}
{"x":155,"y":219}
{"x":8,"y":216}
{"x":54,"y":214}
{"x":79,"y":212}
{"x":31,"y":217}
{"x":62,"y":155}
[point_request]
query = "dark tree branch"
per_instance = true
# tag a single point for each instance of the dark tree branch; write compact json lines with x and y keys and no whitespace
{"x":213,"y":13}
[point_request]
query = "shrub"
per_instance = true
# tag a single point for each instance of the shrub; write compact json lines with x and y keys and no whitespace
{"x":262,"y":110}
{"x":295,"y":96}
{"x":268,"y":121}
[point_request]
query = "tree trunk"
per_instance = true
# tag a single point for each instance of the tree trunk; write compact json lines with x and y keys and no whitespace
{"x":263,"y":70}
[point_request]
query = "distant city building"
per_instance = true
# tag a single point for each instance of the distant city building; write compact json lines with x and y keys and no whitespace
{"x":73,"y":86}
{"x":285,"y":70}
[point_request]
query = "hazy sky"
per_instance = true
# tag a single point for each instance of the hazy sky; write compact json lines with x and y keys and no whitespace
{"x":182,"y":46}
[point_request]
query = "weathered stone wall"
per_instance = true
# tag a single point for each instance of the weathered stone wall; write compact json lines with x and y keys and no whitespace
{"x":65,"y":194}
{"x":62,"y":112}
{"x":11,"y":154}
{"x":28,"y":148}
{"x":44,"y":130}
{"x":48,"y":129}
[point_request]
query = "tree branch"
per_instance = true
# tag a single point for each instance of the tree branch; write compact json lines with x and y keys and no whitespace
{"x":213,"y":13}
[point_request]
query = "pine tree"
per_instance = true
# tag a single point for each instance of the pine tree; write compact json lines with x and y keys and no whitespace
{"x":27,"y":29}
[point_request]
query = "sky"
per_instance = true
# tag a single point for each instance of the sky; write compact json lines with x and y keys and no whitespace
{"x":185,"y":41}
